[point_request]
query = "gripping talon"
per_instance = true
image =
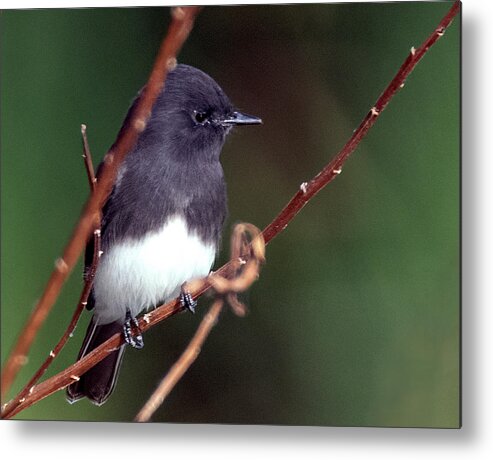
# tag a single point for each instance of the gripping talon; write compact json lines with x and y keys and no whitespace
{"x":187,"y":301}
{"x":137,"y":341}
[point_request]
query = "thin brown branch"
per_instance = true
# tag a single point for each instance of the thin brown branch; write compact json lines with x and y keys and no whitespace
{"x":91,"y":177}
{"x":183,"y":364}
{"x":84,"y":296}
{"x":225,"y":288}
{"x":73,"y":372}
{"x":29,"y":387}
{"x":309,"y":189}
{"x":304,"y":194}
{"x":247,"y":256}
{"x":179,"y":29}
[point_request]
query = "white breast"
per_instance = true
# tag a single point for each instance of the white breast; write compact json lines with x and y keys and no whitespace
{"x":139,"y":274}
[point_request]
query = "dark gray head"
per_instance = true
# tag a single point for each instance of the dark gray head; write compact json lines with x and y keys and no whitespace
{"x":193,"y":115}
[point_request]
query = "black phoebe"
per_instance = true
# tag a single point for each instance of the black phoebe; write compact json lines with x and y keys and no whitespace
{"x":162,"y":222}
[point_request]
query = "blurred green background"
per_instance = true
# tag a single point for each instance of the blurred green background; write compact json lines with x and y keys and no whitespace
{"x":355,"y":318}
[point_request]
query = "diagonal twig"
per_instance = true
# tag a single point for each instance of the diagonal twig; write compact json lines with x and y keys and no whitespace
{"x":91,"y":177}
{"x":29,"y":387}
{"x":309,"y":189}
{"x":187,"y":358}
{"x":86,"y":290}
{"x":306,"y":191}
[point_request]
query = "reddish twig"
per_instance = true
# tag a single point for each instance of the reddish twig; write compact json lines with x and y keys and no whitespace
{"x":309,"y":189}
{"x":73,"y":372}
{"x":304,"y":194}
{"x":91,"y":177}
{"x":180,"y":27}
{"x":86,"y":290}
{"x":29,"y":388}
{"x":184,"y":362}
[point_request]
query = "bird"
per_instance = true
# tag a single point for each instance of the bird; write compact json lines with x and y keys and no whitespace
{"x":162,"y":222}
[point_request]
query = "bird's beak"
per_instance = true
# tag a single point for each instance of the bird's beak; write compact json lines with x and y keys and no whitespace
{"x":238,"y":118}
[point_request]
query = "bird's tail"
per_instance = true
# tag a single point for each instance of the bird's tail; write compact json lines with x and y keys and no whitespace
{"x":98,"y":382}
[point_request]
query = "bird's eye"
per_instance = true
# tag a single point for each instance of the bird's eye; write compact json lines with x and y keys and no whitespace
{"x":200,"y":117}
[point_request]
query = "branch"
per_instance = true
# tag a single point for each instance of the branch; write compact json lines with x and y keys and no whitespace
{"x":91,"y":177}
{"x":304,"y":194}
{"x":179,"y":29}
{"x":86,"y":290}
{"x":29,"y":387}
{"x":308,"y":190}
{"x":187,"y":358}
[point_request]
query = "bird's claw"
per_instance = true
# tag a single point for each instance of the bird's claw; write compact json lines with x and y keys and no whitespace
{"x":137,"y":341}
{"x":187,"y":301}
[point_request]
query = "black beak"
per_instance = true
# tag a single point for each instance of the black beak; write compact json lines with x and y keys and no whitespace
{"x":238,"y":118}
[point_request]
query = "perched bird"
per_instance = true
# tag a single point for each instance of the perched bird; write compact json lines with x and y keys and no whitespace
{"x":162,"y":223}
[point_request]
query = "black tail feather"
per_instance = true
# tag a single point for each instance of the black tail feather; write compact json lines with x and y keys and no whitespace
{"x":97,"y":383}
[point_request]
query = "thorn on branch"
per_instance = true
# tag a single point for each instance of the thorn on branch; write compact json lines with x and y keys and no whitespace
{"x":140,"y":124}
{"x":178,"y":13}
{"x":108,"y":158}
{"x":171,"y":64}
{"x":22,"y":360}
{"x":61,"y":265}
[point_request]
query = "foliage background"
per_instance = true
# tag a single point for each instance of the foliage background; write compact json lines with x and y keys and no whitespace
{"x":355,"y":320}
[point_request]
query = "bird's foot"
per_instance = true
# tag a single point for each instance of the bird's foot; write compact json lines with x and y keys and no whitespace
{"x":187,"y":301}
{"x":137,"y":341}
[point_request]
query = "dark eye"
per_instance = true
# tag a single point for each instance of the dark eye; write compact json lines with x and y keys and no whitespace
{"x":200,"y":117}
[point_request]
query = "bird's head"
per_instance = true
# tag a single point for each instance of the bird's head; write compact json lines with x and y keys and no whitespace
{"x":192,"y":114}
